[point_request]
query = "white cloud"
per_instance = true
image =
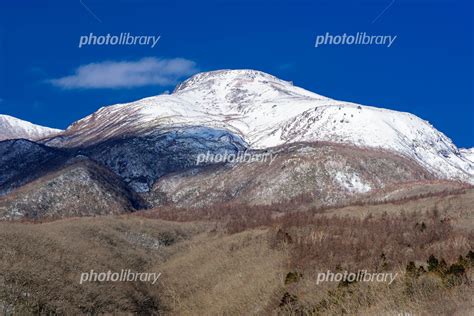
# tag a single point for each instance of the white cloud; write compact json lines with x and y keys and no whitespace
{"x":128,"y":74}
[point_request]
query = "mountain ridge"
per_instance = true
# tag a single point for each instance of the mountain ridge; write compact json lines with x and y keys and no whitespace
{"x":145,"y":153}
{"x":266,"y":112}
{"x":15,"y":128}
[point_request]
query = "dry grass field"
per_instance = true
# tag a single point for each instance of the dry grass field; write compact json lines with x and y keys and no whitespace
{"x":238,"y":260}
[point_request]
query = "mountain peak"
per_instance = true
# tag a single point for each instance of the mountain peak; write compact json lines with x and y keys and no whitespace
{"x":228,"y":76}
{"x":240,"y":92}
{"x":14,"y":128}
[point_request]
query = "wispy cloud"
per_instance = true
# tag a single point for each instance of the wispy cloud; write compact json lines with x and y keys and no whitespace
{"x":128,"y":74}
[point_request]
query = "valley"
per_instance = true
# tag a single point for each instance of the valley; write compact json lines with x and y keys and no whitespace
{"x":237,"y":260}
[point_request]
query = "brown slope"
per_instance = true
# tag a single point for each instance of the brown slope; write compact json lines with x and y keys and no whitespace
{"x":81,"y":188}
{"x":323,"y":173}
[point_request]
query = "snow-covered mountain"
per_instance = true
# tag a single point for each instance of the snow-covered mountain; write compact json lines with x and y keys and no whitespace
{"x":468,"y":153}
{"x":265,"y":112}
{"x":13,"y":128}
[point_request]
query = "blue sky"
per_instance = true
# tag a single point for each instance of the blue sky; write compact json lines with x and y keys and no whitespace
{"x":428,"y":71}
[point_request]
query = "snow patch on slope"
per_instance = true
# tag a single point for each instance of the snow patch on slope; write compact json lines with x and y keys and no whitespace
{"x":13,"y":128}
{"x":351,"y":182}
{"x":468,"y":154}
